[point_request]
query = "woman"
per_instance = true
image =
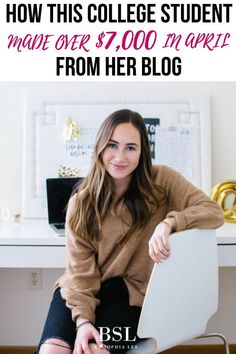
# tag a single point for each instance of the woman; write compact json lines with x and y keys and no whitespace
{"x":117,"y":224}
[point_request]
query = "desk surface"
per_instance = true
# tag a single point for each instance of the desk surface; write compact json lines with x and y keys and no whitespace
{"x":29,"y":232}
{"x":34,"y":244}
{"x":226,"y":234}
{"x":38,"y":232}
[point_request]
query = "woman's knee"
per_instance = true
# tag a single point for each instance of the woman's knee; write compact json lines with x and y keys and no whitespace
{"x":95,"y":350}
{"x":55,"y":346}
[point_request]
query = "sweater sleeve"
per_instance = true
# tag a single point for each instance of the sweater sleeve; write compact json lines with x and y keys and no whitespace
{"x":191,"y":207}
{"x":82,"y":279}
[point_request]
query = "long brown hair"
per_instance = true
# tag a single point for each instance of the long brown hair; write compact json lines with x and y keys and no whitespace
{"x":94,"y":195}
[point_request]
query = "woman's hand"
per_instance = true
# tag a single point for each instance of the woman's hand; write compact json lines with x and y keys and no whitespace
{"x":86,"y":332}
{"x":159,"y":247}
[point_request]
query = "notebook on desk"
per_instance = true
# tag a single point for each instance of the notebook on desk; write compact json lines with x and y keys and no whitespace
{"x":59,"y":191}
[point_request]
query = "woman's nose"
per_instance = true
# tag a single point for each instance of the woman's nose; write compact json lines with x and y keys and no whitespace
{"x":120,"y":155}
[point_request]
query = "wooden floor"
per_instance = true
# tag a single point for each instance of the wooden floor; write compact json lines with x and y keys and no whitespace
{"x":180,"y":349}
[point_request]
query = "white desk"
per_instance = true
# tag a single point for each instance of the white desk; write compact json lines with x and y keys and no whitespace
{"x":33,"y":244}
{"x":226,"y":241}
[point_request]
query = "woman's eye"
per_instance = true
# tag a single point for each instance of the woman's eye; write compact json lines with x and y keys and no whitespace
{"x":112,"y":145}
{"x":130,"y":148}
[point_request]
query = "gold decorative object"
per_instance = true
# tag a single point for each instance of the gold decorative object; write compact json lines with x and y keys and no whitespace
{"x":71,"y":130}
{"x":222,"y":193}
{"x":68,"y":172}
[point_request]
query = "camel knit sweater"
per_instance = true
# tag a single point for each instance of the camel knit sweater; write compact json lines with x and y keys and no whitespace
{"x":91,"y":262}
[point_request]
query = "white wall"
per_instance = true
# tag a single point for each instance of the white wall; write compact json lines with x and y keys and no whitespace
{"x":22,"y":312}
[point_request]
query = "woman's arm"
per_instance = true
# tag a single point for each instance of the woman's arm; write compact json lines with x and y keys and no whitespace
{"x":190,"y":207}
{"x":187,"y":208}
{"x":82,"y":279}
{"x":80,"y":285}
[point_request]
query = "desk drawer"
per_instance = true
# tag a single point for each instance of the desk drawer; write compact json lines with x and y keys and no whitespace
{"x":226,"y":255}
{"x":32,"y":256}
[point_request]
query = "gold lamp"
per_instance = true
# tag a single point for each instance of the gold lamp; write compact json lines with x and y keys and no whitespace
{"x":225,"y":193}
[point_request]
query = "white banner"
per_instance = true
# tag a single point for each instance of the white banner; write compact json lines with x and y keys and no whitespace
{"x":117,"y":41}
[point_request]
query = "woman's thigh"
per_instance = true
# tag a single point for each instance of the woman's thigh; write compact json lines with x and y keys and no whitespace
{"x":116,"y":320}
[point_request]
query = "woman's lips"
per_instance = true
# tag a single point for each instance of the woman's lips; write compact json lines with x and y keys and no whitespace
{"x":118,"y":166}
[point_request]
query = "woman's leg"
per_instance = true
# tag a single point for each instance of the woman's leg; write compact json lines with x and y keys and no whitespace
{"x":54,"y":346}
{"x":59,"y":330}
{"x":114,"y":311}
{"x":116,"y":320}
{"x":95,"y":350}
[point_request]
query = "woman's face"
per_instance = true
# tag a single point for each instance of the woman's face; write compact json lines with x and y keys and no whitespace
{"x":121,"y":156}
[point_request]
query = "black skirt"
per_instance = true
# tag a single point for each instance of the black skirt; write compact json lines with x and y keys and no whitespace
{"x":116,"y":320}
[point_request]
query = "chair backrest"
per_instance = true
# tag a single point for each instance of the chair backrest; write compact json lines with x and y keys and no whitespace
{"x":182,"y":293}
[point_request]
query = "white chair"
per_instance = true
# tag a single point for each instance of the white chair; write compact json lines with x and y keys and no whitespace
{"x":182,"y":294}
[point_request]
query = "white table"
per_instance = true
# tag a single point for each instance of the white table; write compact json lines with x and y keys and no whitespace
{"x":33,"y":244}
{"x":226,"y":241}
